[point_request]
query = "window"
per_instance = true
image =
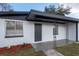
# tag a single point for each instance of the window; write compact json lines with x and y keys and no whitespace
{"x":14,"y":29}
{"x":55,"y":30}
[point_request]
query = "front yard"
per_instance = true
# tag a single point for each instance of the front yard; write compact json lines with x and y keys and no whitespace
{"x":69,"y":50}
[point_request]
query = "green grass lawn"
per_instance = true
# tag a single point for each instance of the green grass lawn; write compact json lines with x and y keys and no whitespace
{"x":69,"y":50}
{"x":24,"y":52}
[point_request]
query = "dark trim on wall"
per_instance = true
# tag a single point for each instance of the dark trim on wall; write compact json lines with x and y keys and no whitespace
{"x":76,"y":31}
{"x":55,"y":18}
{"x":47,"y":21}
{"x":14,"y":36}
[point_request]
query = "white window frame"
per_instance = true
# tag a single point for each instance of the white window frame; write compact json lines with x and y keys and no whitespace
{"x":15,"y":30}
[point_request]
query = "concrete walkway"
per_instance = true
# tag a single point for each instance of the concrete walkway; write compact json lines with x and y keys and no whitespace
{"x":52,"y":52}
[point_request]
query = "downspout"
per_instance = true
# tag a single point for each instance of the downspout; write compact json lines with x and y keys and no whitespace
{"x":76,"y":31}
{"x":55,"y":35}
{"x":67,"y":33}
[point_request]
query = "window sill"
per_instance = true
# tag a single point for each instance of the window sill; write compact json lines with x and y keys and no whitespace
{"x":14,"y":36}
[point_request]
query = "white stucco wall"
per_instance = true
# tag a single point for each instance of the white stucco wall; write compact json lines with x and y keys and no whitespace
{"x":72,"y":31}
{"x":61,"y":32}
{"x":28,"y":31}
{"x":47,"y":32}
{"x":78,"y":31}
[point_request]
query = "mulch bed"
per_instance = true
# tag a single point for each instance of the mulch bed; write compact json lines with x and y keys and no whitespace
{"x":14,"y":49}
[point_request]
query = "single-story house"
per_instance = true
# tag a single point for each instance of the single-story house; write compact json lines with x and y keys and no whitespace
{"x":35,"y":27}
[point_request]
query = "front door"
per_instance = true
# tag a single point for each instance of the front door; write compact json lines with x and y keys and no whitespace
{"x":38,"y":32}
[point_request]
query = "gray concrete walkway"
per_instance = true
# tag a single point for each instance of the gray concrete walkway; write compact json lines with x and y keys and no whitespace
{"x":50,"y":44}
{"x":52,"y":52}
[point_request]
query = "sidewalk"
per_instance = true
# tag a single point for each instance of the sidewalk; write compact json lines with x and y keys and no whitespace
{"x":52,"y":52}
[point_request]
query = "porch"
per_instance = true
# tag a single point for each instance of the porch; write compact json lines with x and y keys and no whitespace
{"x":70,"y":29}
